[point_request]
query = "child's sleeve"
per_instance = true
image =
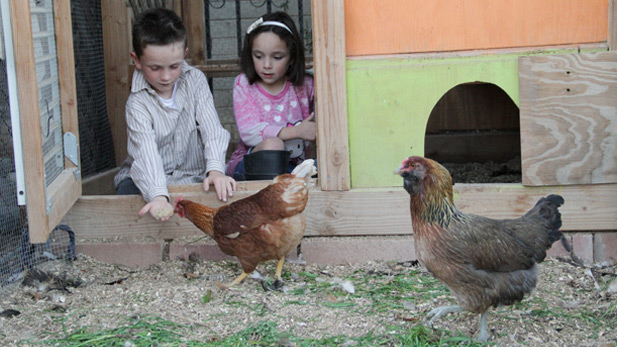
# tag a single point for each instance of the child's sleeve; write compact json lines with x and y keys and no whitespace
{"x":213,"y":135}
{"x":147,"y":169}
{"x":252,"y":127}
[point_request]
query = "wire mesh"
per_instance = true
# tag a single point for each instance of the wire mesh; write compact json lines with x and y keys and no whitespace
{"x":223,"y":18}
{"x":17,"y":254}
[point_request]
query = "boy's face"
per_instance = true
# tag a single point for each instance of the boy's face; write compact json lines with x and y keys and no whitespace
{"x":161,"y":66}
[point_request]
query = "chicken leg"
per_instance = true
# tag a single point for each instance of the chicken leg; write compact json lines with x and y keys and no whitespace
{"x":233,"y":283}
{"x":440,"y":311}
{"x":483,"y":332}
{"x":278,"y":283}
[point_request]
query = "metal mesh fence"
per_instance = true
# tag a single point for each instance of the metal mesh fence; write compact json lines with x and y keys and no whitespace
{"x":17,"y":254}
{"x":225,"y":25}
{"x":96,"y":145}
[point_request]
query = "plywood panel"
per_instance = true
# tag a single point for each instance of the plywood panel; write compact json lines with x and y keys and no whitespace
{"x":355,"y":212}
{"x":569,"y":118}
{"x":410,"y":26}
{"x":390,"y":101}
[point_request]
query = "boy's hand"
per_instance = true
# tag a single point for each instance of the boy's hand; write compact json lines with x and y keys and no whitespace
{"x":159,"y":208}
{"x":223,"y":185}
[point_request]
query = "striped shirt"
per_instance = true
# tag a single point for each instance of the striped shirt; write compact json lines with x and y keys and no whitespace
{"x":169,"y":146}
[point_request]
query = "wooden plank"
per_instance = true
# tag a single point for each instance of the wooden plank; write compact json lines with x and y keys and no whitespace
{"x":376,"y":212}
{"x":66,"y":188}
{"x":116,"y":49}
{"x":568,"y":109}
{"x":331,"y":95}
{"x":193,"y":17}
{"x":32,"y":143}
{"x":413,"y":26}
{"x":612,"y":25}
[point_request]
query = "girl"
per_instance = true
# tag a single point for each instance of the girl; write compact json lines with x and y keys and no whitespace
{"x":273,"y":96}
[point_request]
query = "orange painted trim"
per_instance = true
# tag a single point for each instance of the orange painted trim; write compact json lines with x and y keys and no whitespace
{"x":413,"y":26}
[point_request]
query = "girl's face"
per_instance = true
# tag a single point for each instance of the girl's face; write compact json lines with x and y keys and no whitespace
{"x":161,"y":66}
{"x":271,"y":60}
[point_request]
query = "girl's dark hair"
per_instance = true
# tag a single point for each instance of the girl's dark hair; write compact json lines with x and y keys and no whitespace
{"x":295,"y":73}
{"x":159,"y":27}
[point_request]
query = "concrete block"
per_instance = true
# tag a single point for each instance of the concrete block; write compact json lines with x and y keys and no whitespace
{"x":132,"y":254}
{"x":204,"y":251}
{"x":605,"y":246}
{"x":344,"y":250}
{"x":582,"y":243}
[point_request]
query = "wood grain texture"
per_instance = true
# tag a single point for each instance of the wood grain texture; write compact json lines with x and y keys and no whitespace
{"x":32,"y":141}
{"x":612,"y":25}
{"x":193,"y":17}
{"x":116,"y":49}
{"x":568,"y":107}
{"x":376,"y":212}
{"x":66,"y":188}
{"x":331,"y":94}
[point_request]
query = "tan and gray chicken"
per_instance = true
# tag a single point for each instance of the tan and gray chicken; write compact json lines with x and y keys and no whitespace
{"x":484,"y":262}
{"x":264,"y":226}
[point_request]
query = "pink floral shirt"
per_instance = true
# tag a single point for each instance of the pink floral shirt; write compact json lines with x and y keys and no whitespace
{"x":260,"y":115}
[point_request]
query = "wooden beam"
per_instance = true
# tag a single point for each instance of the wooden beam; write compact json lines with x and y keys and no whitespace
{"x":32,"y":141}
{"x":116,"y":49}
{"x":375,"y":212}
{"x":193,"y":17}
{"x":331,"y":94}
{"x":66,"y":188}
{"x":612,"y":25}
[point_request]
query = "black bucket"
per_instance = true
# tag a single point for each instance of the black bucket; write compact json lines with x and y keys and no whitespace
{"x":265,"y":165}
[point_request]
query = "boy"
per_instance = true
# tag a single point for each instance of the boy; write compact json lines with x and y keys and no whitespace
{"x":174,"y":133}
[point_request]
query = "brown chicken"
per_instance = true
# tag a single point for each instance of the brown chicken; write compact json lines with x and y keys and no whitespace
{"x":261,"y":227}
{"x":484,"y":262}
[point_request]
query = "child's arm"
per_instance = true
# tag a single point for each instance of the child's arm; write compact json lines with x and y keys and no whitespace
{"x":223,"y":185}
{"x":216,"y":140}
{"x":305,"y":131}
{"x":147,"y":170}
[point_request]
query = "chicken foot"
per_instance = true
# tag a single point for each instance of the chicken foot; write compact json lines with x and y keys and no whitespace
{"x":278,"y":283}
{"x":233,"y":283}
{"x":440,"y":311}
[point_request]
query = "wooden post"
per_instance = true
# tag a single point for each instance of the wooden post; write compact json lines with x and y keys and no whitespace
{"x":331,"y":94}
{"x":194,"y":21}
{"x":116,"y":49}
{"x":612,"y":25}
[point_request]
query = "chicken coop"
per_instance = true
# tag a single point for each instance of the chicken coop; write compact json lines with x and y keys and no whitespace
{"x":530,"y":86}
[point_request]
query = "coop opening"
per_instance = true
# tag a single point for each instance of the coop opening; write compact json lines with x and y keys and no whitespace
{"x":474,"y":131}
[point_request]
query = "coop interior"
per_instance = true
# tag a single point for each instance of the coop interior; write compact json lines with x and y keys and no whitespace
{"x":474,"y":131}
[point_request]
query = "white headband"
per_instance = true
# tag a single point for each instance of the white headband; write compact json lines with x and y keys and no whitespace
{"x":260,"y":22}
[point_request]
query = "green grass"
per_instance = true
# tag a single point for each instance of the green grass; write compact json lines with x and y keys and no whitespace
{"x":154,"y":331}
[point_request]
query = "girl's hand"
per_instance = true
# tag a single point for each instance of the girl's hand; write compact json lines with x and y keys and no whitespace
{"x":308,"y":128}
{"x":223,"y":185}
{"x":159,"y":208}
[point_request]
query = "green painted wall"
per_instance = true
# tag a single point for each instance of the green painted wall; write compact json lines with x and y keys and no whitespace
{"x":389,"y":102}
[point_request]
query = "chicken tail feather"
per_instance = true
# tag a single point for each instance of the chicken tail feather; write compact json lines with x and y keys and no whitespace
{"x":305,"y":169}
{"x":548,"y":209}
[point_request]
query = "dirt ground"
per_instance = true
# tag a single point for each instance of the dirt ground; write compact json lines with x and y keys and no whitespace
{"x":572,"y":305}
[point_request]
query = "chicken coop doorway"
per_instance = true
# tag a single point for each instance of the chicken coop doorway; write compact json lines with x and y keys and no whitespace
{"x":474,"y":130}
